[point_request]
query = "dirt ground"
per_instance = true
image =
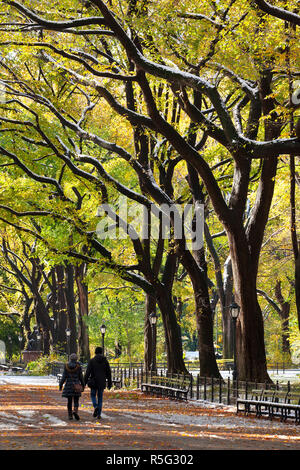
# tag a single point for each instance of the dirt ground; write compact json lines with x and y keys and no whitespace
{"x":35,"y":418}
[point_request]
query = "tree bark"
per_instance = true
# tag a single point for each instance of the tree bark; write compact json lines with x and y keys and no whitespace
{"x":226,"y":317}
{"x":224,"y":287}
{"x":61,"y":319}
{"x":150,"y":306}
{"x":175,"y":362}
{"x":284,"y":313}
{"x":295,"y":243}
{"x":26,"y":320}
{"x":204,"y":319}
{"x":83,"y":311}
{"x":251,"y":355}
{"x":196,"y":266}
{"x":71,"y":312}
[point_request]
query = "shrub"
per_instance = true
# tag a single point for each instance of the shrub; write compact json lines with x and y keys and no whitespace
{"x":42,"y":365}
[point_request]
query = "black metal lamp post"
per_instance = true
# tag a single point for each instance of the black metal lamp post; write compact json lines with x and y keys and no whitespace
{"x":153,"y":321}
{"x":234,"y":312}
{"x":68,"y":334}
{"x":103,"y":330}
{"x":35,"y":346}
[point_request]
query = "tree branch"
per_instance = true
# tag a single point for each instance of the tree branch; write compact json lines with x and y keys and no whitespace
{"x":56,"y":25}
{"x":278,"y":12}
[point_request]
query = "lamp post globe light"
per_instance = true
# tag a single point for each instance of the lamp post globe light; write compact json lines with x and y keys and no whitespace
{"x":103,"y":331}
{"x":234,"y":312}
{"x":153,"y":321}
{"x":38,"y":337}
{"x":68,"y":334}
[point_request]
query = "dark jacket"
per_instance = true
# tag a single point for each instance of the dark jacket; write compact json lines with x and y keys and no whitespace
{"x":72,"y":374}
{"x":99,"y":368}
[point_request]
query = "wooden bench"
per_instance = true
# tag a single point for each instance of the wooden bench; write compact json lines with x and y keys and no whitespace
{"x":291,"y":405}
{"x":167,"y":387}
{"x":17,"y":369}
{"x":272,"y":403}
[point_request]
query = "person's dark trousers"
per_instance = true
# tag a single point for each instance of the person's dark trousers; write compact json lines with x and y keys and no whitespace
{"x":76,"y":404}
{"x":97,"y":399}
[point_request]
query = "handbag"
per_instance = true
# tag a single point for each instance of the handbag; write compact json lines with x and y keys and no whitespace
{"x":77,"y":388}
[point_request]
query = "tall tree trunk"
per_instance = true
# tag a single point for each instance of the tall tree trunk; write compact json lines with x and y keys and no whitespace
{"x":251,"y":355}
{"x":61,"y":318}
{"x":175,"y":362}
{"x":44,"y":327}
{"x":297,"y":286}
{"x":290,"y":30}
{"x":295,"y":243}
{"x":196,"y":266}
{"x":226,"y":317}
{"x":204,"y":321}
{"x":245,"y":244}
{"x":42,"y":317}
{"x":224,"y":287}
{"x":26,"y":320}
{"x":69,"y":292}
{"x":83,"y":311}
{"x":46,"y":341}
{"x":52,"y":303}
{"x":284,"y":314}
{"x":150,"y":306}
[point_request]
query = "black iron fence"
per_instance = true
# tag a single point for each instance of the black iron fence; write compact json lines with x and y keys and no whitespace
{"x":56,"y":368}
{"x":223,"y":365}
{"x":193,"y":366}
{"x":213,"y":390}
{"x":226,"y":391}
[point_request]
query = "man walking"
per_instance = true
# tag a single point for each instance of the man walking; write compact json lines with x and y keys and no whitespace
{"x":97,"y":372}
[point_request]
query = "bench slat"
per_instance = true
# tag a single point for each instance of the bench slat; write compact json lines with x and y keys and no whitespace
{"x":272,"y":403}
{"x":171,"y":387}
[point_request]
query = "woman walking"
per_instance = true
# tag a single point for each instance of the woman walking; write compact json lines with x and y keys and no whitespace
{"x":74,"y":385}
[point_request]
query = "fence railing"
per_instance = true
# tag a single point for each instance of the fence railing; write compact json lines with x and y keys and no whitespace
{"x":226,"y":391}
{"x":223,"y":365}
{"x":213,"y":390}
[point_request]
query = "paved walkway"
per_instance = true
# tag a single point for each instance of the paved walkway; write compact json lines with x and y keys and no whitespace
{"x":33,"y":416}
